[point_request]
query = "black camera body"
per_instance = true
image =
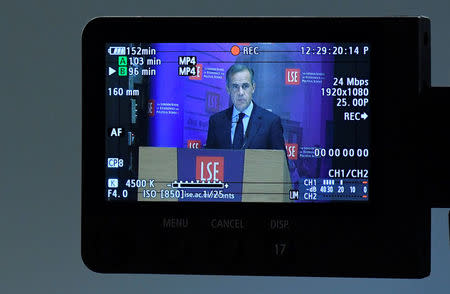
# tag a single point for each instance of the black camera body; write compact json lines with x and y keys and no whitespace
{"x":347,"y":196}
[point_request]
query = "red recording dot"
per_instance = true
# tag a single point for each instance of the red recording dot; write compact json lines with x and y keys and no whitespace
{"x":235,"y":50}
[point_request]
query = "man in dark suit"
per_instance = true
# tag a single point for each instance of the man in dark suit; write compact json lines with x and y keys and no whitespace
{"x":245,"y":125}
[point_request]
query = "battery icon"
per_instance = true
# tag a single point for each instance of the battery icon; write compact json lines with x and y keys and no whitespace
{"x":116,"y":50}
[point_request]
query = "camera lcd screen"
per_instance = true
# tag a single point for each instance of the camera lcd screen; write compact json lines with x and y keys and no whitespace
{"x":237,"y":122}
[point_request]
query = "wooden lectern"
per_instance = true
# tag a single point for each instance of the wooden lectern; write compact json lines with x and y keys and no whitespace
{"x":266,"y":176}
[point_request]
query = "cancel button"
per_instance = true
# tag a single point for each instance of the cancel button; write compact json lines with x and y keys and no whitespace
{"x":227,"y":223}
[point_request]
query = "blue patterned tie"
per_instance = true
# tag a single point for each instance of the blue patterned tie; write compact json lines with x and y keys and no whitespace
{"x":238,"y":138}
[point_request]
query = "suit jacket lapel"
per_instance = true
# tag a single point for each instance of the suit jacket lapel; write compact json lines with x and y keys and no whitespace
{"x":227,"y":127}
{"x":253,"y":125}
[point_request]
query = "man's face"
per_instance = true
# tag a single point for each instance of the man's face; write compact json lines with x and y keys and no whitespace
{"x":241,"y":88}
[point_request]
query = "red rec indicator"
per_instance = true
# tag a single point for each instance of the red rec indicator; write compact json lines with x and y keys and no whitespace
{"x":235,"y":50}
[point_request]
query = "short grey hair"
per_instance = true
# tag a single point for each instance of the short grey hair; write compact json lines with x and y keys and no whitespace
{"x":238,"y":67}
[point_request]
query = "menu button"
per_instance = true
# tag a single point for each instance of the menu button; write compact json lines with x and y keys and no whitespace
{"x":175,"y":223}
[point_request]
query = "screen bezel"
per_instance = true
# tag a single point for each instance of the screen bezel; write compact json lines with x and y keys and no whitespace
{"x":386,"y":48}
{"x":117,"y":33}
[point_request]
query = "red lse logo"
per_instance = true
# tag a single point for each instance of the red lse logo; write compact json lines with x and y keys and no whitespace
{"x":209,"y":168}
{"x":292,"y":76}
{"x":292,"y":150}
{"x":199,"y":69}
{"x":194,"y":144}
{"x":151,"y":107}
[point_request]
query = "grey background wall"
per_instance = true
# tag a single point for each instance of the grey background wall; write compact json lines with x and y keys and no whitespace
{"x":40,"y":149}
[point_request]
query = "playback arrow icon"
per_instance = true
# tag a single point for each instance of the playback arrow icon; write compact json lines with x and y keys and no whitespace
{"x":364,"y":116}
{"x":111,"y":71}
